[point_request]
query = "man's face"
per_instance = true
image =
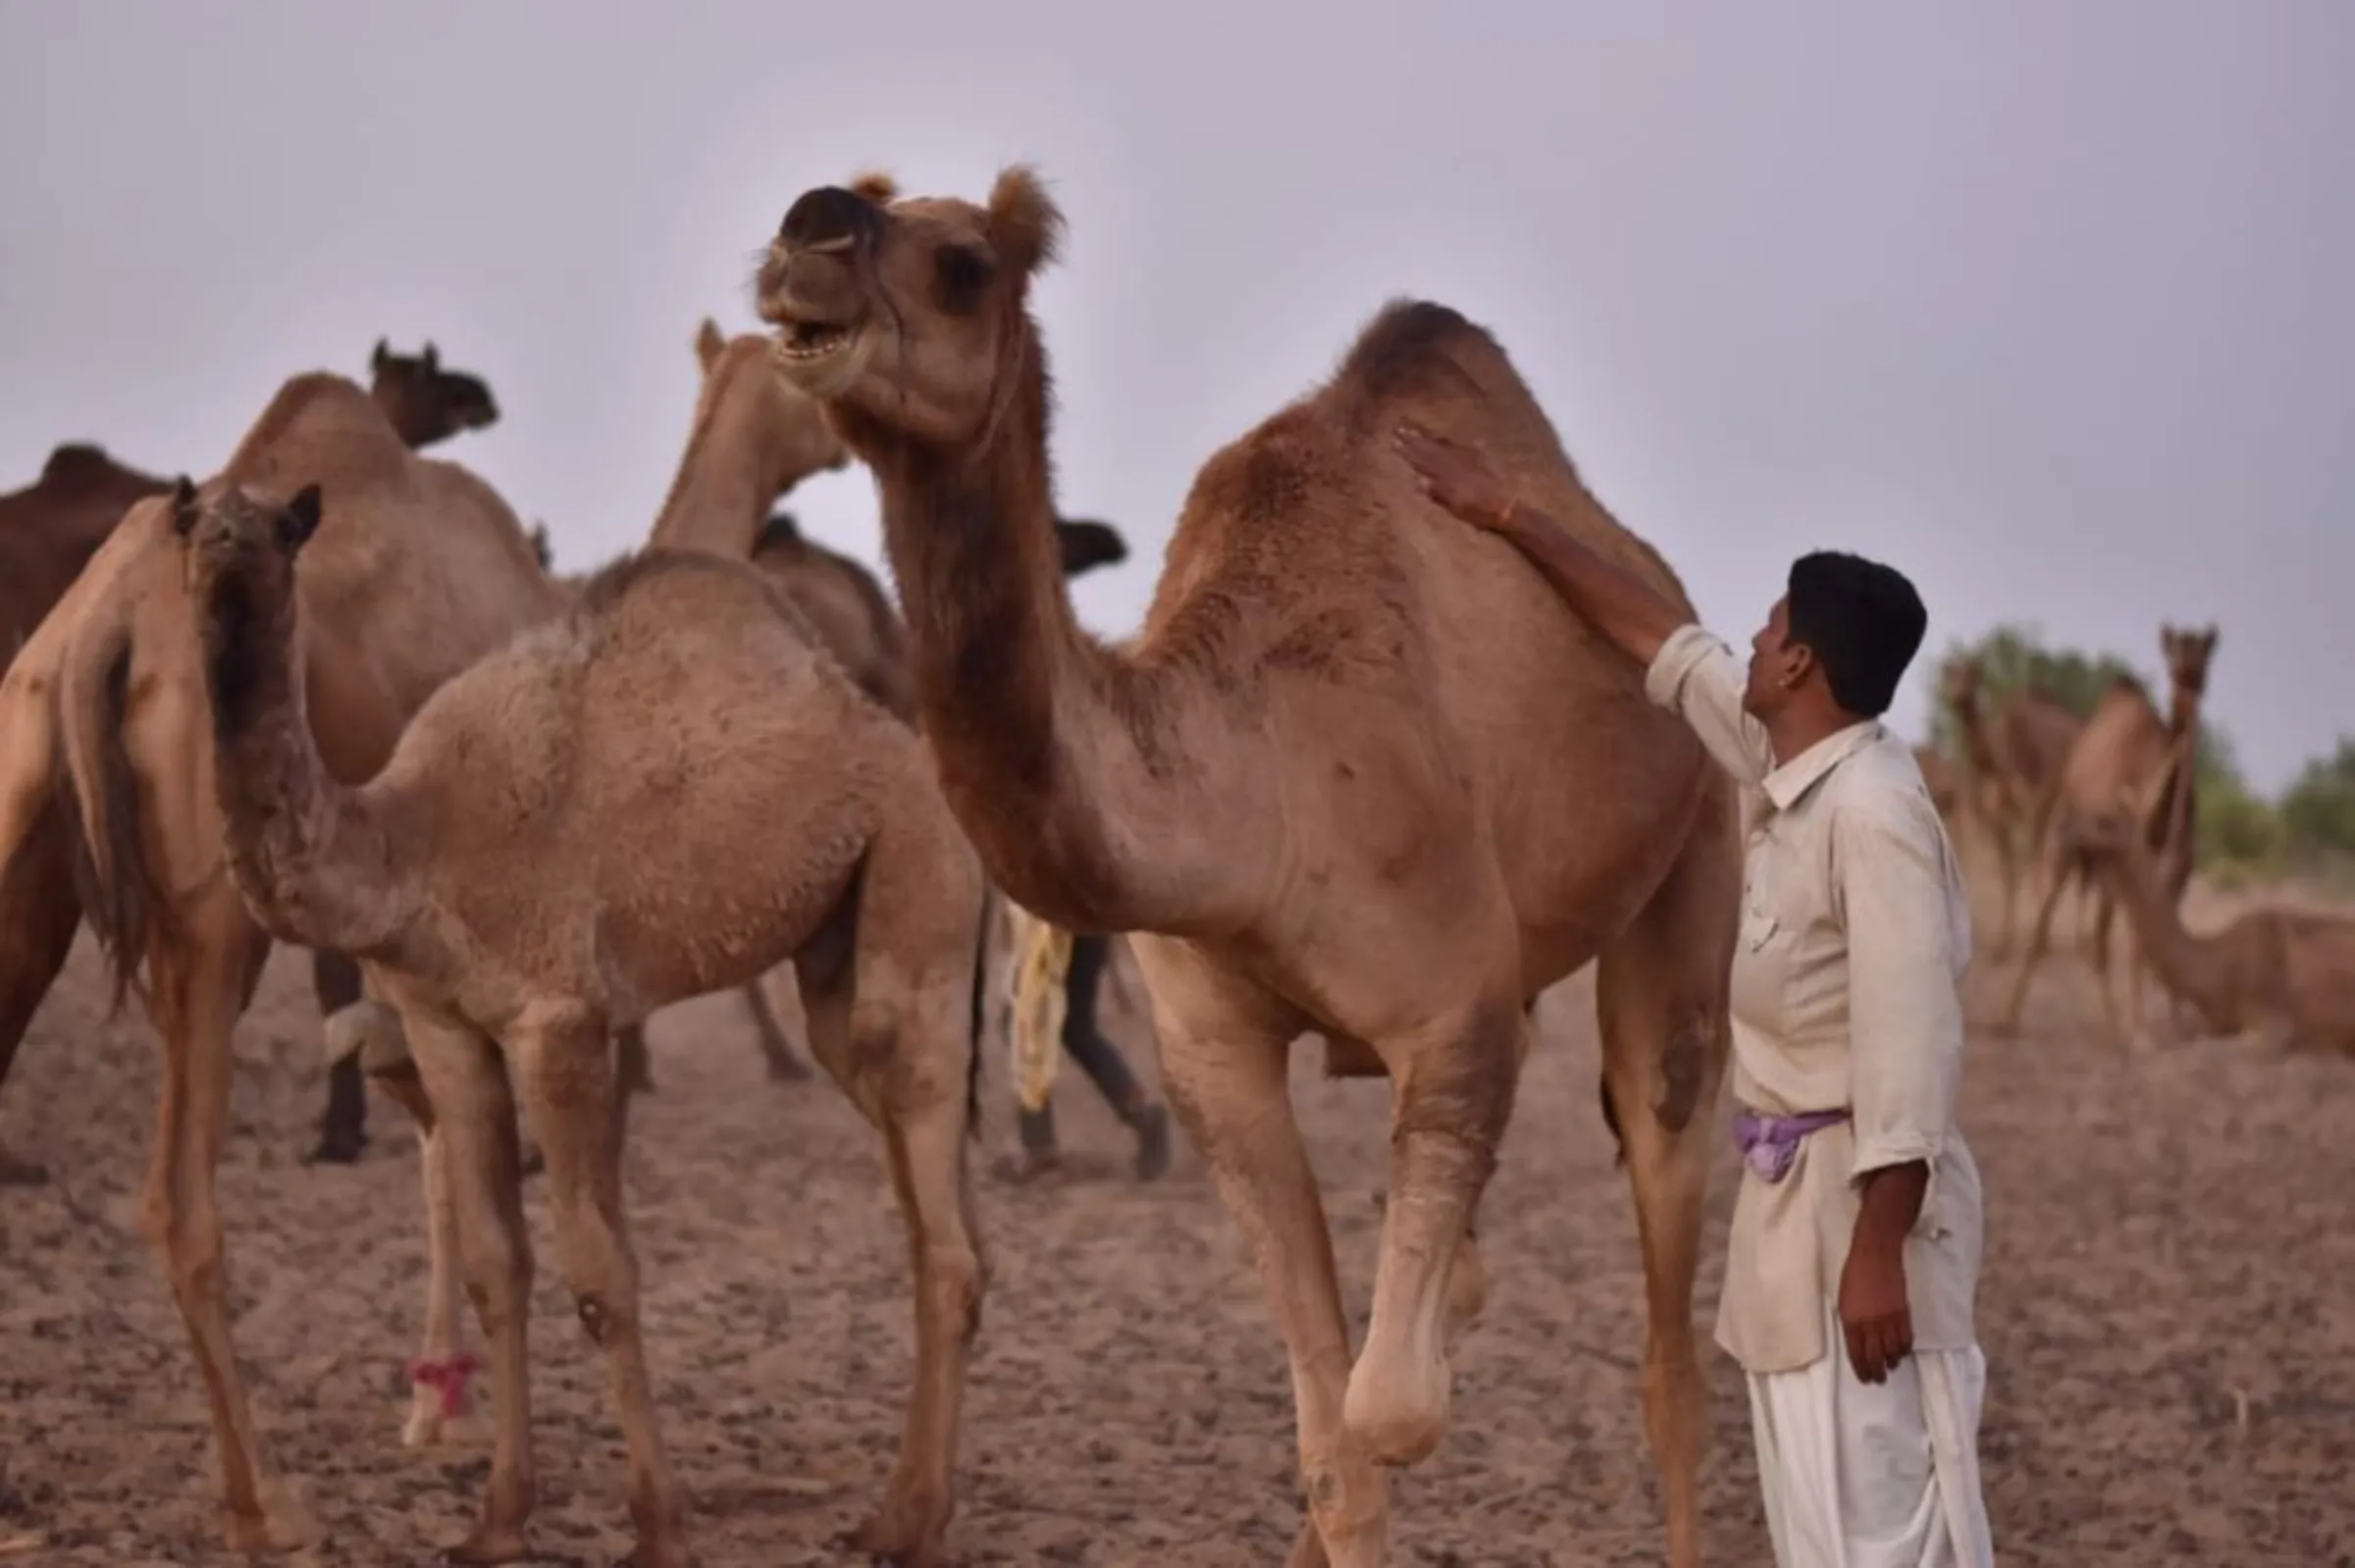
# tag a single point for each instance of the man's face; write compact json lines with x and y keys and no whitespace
{"x":1776,"y":665}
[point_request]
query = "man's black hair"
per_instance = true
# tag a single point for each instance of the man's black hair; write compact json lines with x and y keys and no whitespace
{"x":1862,"y":619}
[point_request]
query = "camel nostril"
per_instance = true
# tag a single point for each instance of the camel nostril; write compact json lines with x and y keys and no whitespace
{"x":828,"y":216}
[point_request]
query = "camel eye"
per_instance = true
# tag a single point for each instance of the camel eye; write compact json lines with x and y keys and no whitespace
{"x":964,"y":273}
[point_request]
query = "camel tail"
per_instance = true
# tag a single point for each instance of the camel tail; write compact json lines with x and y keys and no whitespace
{"x":120,"y":895}
{"x":978,"y":1015}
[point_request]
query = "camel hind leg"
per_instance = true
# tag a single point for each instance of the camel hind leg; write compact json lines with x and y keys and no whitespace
{"x":887,"y":987}
{"x":1660,"y":1001}
{"x":784,"y":1064}
{"x":40,"y":911}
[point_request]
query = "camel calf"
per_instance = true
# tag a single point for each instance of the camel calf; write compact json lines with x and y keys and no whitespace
{"x":662,"y":793}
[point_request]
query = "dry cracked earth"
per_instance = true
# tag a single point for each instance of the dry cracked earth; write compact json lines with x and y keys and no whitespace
{"x":2165,"y":1309}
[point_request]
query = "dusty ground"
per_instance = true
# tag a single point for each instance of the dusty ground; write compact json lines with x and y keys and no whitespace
{"x":2164,"y":1308}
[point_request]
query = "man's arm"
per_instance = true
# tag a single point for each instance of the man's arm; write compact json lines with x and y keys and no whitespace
{"x":1628,"y":612}
{"x":1906,"y":1056}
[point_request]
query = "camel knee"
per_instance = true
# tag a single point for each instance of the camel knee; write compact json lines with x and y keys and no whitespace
{"x":955,"y":1285}
{"x":1397,"y":1406}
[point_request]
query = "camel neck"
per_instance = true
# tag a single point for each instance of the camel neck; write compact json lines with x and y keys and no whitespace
{"x":1036,"y":728}
{"x":2158,"y":927}
{"x":726,"y":481}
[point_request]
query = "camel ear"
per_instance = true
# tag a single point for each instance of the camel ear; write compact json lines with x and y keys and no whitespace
{"x":381,"y":352}
{"x":873,"y":185}
{"x":1024,"y":224}
{"x":708,"y":341}
{"x":183,"y":506}
{"x":300,"y":520}
{"x":1086,"y":544}
{"x":431,"y":357}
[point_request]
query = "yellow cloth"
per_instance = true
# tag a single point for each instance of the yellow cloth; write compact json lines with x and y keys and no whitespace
{"x":1042,"y":957}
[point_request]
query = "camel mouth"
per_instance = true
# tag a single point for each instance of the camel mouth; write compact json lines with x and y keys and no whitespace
{"x":822,"y":358}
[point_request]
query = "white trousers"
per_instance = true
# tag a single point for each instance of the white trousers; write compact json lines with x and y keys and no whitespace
{"x":1864,"y":1476}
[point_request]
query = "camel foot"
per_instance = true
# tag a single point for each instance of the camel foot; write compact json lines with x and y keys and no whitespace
{"x":283,"y":1524}
{"x":487,"y":1543}
{"x":1152,"y":1143}
{"x":16,"y":1172}
{"x":904,"y":1535}
{"x":338,"y":1146}
{"x":1396,"y":1413}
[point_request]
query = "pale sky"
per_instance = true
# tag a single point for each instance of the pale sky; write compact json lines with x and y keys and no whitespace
{"x":2048,"y":304}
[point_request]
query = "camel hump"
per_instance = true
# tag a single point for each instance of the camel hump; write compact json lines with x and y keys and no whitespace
{"x":76,"y":462}
{"x":325,"y":424}
{"x":1415,"y":351}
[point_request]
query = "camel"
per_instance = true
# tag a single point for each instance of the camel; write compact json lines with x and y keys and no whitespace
{"x":2126,"y":747}
{"x":2288,"y":973}
{"x":428,"y":570}
{"x":666,"y":793}
{"x":48,"y":533}
{"x":2013,"y":761}
{"x":1361,"y":773}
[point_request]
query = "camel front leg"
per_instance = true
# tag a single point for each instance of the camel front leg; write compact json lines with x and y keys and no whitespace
{"x":1454,"y":1086}
{"x":40,"y":912}
{"x":196,"y":984}
{"x":1223,"y":1071}
{"x":474,"y":1108}
{"x":2038,"y":940}
{"x":569,"y":1075}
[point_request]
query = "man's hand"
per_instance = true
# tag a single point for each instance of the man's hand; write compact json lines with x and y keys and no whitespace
{"x":1457,"y":477}
{"x":1874,"y":1317}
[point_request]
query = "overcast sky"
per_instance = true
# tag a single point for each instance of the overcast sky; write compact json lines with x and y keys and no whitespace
{"x":2047,"y":303}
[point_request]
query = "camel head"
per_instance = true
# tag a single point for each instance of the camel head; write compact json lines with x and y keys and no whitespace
{"x":426,"y":403}
{"x":1959,"y":682}
{"x":2187,"y":652}
{"x":239,"y":569}
{"x":909,"y":315}
{"x":1088,"y":544}
{"x":790,"y":427}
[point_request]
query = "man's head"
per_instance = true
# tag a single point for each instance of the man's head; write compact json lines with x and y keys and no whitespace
{"x":1839,"y":638}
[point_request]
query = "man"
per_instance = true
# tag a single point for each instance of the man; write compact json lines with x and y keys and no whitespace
{"x":1086,"y":1043}
{"x":1855,"y":1242}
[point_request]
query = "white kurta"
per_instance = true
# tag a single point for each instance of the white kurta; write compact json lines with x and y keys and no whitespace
{"x":1847,"y":860}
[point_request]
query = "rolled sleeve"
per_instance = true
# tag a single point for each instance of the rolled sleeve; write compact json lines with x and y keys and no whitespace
{"x":1904,"y":1013}
{"x":1697,"y":677}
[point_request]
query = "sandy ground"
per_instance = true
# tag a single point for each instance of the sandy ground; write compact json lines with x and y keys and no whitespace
{"x":2164,"y":1308}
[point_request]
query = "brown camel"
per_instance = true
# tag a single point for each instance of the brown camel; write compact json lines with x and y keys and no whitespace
{"x":426,"y":570}
{"x":2012,"y":762}
{"x":667,"y":793}
{"x":47,"y":535}
{"x":2125,"y":748}
{"x":1348,"y":779}
{"x":2288,"y":973}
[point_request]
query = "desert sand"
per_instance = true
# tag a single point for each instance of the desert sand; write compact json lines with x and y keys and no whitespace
{"x":2167,"y":1308}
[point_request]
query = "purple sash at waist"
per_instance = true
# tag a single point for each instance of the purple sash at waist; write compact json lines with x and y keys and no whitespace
{"x":1769,"y":1144}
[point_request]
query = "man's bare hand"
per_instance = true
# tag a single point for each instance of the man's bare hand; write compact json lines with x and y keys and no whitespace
{"x":1874,"y":1317}
{"x":1457,"y":477}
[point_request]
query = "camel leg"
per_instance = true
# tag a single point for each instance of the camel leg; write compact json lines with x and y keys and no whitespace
{"x":1452,"y":1084}
{"x":2105,"y":913}
{"x":344,"y":1125}
{"x":913,"y":1092}
{"x":1224,"y":1070}
{"x":784,"y":1064}
{"x":1660,"y":1001}
{"x":39,"y":913}
{"x":569,"y":1075}
{"x":636,"y":1068}
{"x":438,"y":1404}
{"x":196,"y":985}
{"x":2039,"y":940}
{"x":466,"y":1082}
{"x":2006,"y":862}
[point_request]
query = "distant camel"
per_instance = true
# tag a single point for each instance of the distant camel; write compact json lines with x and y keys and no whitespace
{"x":2012,"y":772}
{"x":2124,"y":749}
{"x":2289,"y":973}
